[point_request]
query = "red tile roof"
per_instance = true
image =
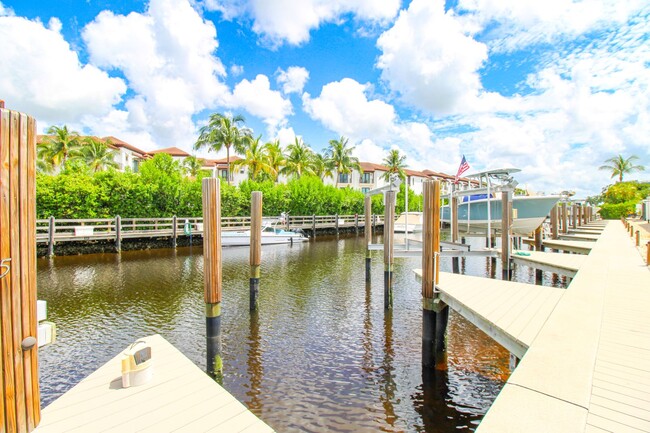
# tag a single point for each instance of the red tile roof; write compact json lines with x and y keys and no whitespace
{"x":173,"y":151}
{"x":371,"y":166}
{"x":116,"y":142}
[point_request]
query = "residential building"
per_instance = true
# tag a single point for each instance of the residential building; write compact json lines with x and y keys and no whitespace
{"x":128,"y":156}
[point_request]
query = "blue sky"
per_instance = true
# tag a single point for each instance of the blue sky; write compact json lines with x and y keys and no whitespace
{"x":553,"y":88}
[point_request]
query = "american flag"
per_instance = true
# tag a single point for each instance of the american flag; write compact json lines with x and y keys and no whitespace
{"x":464,"y":166}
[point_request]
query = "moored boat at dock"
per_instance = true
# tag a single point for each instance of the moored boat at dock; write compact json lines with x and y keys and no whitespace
{"x":479,"y":209}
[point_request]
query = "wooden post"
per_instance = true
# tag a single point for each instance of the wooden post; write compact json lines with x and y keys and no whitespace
{"x":647,"y":254}
{"x":574,"y":220}
{"x":367,"y":231}
{"x":19,"y":388}
{"x":118,"y":233}
{"x":174,"y":229}
{"x":50,"y":237}
{"x":212,"y":274}
{"x":538,"y":239}
{"x":554,"y":218}
{"x":389,"y":221}
{"x":565,"y":218}
{"x":356,"y":223}
{"x":256,"y":247}
{"x":435,"y":313}
{"x":313,"y":226}
{"x":638,"y":238}
{"x":336,"y":223}
{"x":505,"y":234}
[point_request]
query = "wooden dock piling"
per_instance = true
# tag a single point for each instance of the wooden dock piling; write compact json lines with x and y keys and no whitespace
{"x":435,"y":313}
{"x":118,"y":233}
{"x":389,"y":228}
{"x":313,"y":226}
{"x":50,"y":237}
{"x":554,"y":221}
{"x":565,"y":218}
{"x":19,"y":388}
{"x":367,"y":231}
{"x":174,"y":231}
{"x":256,"y":247}
{"x":574,"y":219}
{"x":212,"y":274}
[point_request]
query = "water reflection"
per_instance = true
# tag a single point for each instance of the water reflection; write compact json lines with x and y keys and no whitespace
{"x":320,"y":355}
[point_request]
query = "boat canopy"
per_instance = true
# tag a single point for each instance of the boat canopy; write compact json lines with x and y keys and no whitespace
{"x":498,"y":172}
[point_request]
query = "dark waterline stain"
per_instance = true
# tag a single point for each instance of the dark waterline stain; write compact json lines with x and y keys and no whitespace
{"x":321,"y":354}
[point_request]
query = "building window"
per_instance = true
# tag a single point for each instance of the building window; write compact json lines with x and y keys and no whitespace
{"x":365,"y":190}
{"x":135,"y":165}
{"x":223,"y":173}
{"x":368,"y":177}
{"x":344,"y":178}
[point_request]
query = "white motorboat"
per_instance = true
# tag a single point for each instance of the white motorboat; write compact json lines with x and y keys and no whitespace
{"x":270,"y":235}
{"x":474,"y":213}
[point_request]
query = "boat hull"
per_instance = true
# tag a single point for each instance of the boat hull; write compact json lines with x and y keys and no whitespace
{"x":243,"y":238}
{"x":529,"y":213}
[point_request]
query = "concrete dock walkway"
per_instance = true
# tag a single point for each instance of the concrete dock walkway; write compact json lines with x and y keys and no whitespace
{"x":588,"y":369}
{"x":179,"y":398}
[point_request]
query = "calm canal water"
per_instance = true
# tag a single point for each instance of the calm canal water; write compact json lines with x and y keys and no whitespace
{"x":321,"y":355}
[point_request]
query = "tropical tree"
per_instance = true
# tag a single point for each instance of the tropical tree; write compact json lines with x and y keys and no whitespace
{"x":193,"y":166}
{"x":45,"y":162}
{"x":298,"y":159}
{"x":224,"y":131}
{"x":620,"y":166}
{"x":97,"y":155}
{"x":255,"y":159}
{"x":396,"y":164}
{"x":61,"y":145}
{"x":275,"y":158}
{"x":341,"y":157}
{"x":322,"y":166}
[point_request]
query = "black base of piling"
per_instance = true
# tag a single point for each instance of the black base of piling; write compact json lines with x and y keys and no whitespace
{"x":214,"y":365}
{"x":538,"y":276}
{"x":368,"y":267}
{"x":434,"y":328}
{"x":388,"y":289}
{"x":455,"y":267}
{"x":254,"y":290}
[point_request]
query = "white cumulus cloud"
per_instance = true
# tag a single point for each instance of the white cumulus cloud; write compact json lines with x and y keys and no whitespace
{"x":429,"y":59}
{"x":43,"y":76}
{"x":293,"y":79}
{"x":290,"y":21}
{"x":258,"y":99}
{"x":344,"y":108}
{"x":167,"y":57}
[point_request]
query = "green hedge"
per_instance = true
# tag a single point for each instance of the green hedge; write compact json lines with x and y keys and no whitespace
{"x":618,"y":210}
{"x":161,"y":190}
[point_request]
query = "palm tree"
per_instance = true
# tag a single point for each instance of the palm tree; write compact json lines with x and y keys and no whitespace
{"x":45,"y":157}
{"x":396,"y":164}
{"x":255,"y":159}
{"x":275,"y":158}
{"x":224,"y":131}
{"x":341,"y":156}
{"x":63,"y":145}
{"x":298,"y":159}
{"x":97,"y":155}
{"x":620,"y":166}
{"x":322,"y":166}
{"x":193,"y":166}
